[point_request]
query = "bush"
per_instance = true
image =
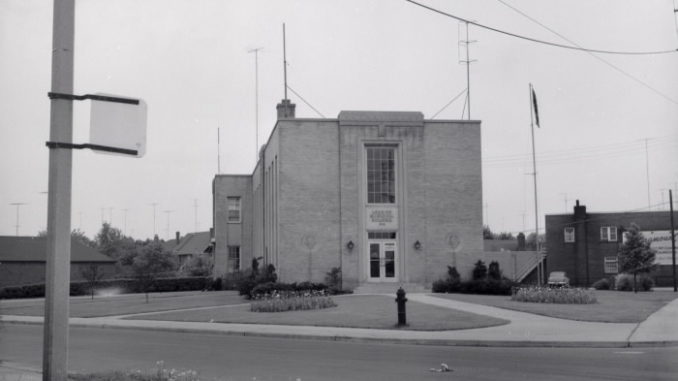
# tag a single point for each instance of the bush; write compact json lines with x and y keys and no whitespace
{"x":554,"y":295}
{"x":298,"y":303}
{"x":123,"y":285}
{"x":333,"y":280}
{"x":486,"y":285}
{"x":493,"y":271}
{"x":602,"y":284}
{"x":624,"y":282}
{"x":479,"y":270}
{"x":285,"y":290}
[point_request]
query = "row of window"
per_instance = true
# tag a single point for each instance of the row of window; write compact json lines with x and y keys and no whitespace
{"x":607,"y":234}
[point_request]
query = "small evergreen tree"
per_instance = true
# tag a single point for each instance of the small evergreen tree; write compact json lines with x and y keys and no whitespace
{"x":479,"y":270}
{"x":635,"y":255}
{"x":493,"y":271}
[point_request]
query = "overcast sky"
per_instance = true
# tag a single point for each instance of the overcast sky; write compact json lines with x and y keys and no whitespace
{"x":189,"y":61}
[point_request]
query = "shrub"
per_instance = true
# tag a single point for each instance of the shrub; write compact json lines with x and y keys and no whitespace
{"x":265,"y":290}
{"x":479,"y":270}
{"x":297,"y":303}
{"x":333,"y":280}
{"x":487,"y":285}
{"x":624,"y":282}
{"x":554,"y":295}
{"x":602,"y":284}
{"x":493,"y":271}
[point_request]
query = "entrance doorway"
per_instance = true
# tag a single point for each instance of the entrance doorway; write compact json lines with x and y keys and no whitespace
{"x":382,"y":260}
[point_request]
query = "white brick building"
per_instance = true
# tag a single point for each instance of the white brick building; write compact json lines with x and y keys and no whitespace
{"x":385,"y":196}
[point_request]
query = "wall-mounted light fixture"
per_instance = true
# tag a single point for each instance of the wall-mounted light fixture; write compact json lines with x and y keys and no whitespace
{"x":350,"y":245}
{"x":417,"y":245}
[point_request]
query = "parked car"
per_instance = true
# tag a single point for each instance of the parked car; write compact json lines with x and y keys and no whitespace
{"x":558,"y":279}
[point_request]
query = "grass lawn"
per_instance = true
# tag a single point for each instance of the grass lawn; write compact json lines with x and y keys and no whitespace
{"x":612,"y":306}
{"x":355,"y":311}
{"x":124,"y":304}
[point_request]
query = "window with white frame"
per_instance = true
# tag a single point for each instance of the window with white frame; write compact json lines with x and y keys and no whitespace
{"x":233,"y":209}
{"x":611,"y":265}
{"x":569,"y":234}
{"x":234,"y":258}
{"x":608,"y":233}
{"x":381,"y":175}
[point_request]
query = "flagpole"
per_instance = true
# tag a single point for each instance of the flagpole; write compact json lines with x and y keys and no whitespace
{"x":534,"y":174}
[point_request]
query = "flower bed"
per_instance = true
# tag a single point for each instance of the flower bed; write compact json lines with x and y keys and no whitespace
{"x":554,"y":295}
{"x":281,"y":301}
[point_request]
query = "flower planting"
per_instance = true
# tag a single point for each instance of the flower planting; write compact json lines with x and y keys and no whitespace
{"x":281,"y":301}
{"x":554,"y":295}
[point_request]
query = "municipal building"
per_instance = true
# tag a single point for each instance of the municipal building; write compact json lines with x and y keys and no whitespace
{"x":387,"y":197}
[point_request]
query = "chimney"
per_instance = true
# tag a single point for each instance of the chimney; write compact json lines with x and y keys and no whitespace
{"x":285,"y":109}
{"x":178,"y":237}
{"x":579,"y":211}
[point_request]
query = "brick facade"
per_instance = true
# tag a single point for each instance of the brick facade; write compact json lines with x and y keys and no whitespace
{"x":307,"y":198}
{"x":584,"y":259}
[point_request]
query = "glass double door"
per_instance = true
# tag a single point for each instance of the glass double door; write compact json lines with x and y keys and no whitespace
{"x":382,"y":261}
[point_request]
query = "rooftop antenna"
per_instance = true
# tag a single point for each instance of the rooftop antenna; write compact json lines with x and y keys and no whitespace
{"x":285,"y":60}
{"x":218,"y":151}
{"x":195,"y":214}
{"x":466,"y":61}
{"x":124,"y":228}
{"x":154,"y":204}
{"x":18,"y":206}
{"x":167,"y":230}
{"x":256,"y":100}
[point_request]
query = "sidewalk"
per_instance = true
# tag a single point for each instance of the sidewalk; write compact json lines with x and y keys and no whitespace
{"x":525,"y":329}
{"x":16,"y":372}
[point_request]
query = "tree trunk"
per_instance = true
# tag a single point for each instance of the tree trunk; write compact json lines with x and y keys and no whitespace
{"x":146,"y":296}
{"x":635,"y":288}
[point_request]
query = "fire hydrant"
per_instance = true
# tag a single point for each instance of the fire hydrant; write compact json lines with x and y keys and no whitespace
{"x":401,"y":300}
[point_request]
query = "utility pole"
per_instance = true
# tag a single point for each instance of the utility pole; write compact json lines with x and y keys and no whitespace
{"x":673,"y":243}
{"x":647,"y":175}
{"x":566,"y":200}
{"x":124,"y":229}
{"x":195,"y":214}
{"x":154,"y":204}
{"x":58,"y":265}
{"x":256,"y":101}
{"x":18,"y":205}
{"x":167,"y":230}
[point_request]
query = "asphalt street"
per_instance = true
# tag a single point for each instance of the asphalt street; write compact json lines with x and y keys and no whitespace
{"x":232,"y":357}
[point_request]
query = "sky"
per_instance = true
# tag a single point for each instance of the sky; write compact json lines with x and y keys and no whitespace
{"x":609,"y":123}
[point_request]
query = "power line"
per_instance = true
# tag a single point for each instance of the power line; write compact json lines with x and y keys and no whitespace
{"x":541,"y":41}
{"x":590,"y":52}
{"x":304,"y":100}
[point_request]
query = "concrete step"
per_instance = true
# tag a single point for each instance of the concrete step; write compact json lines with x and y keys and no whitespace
{"x":389,"y":288}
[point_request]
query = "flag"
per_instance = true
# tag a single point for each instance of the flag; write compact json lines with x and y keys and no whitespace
{"x":534,"y":105}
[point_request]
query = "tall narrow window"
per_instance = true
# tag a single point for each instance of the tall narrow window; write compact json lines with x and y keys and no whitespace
{"x":381,"y":175}
{"x":569,"y":234}
{"x":233,"y":209}
{"x":234,"y":258}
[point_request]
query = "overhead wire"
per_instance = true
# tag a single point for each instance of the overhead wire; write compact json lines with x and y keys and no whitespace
{"x":448,"y":103}
{"x":304,"y":100}
{"x":541,"y":41}
{"x":590,"y":52}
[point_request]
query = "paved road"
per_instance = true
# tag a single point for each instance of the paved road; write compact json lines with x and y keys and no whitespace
{"x":246,"y":358}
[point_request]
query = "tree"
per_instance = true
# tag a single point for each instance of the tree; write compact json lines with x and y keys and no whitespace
{"x":479,"y":270}
{"x":530,"y":244}
{"x":493,"y":271}
{"x":200,"y":265}
{"x":92,"y":274}
{"x":487,"y":232}
{"x":635,"y":255}
{"x":77,"y":235}
{"x":149,"y":263}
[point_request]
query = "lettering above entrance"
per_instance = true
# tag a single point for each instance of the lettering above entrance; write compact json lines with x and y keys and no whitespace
{"x":380,"y":218}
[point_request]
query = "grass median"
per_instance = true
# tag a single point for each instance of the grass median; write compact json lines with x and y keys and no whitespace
{"x":352,"y":311}
{"x":612,"y":306}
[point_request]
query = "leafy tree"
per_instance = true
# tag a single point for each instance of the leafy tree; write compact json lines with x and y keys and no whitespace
{"x":493,"y":271}
{"x":505,"y":236}
{"x":150,"y":262}
{"x":92,"y":274}
{"x":77,"y":235}
{"x":479,"y":270}
{"x":530,"y":244}
{"x":200,"y":265}
{"x":635,"y":255}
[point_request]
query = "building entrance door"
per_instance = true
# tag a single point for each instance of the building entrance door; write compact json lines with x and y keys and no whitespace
{"x":382,"y":261}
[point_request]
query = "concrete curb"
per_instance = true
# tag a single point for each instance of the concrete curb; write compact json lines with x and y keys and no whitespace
{"x":361,"y":339}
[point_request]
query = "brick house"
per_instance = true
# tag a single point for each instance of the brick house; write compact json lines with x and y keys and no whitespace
{"x":585,"y":245}
{"x":387,"y":197}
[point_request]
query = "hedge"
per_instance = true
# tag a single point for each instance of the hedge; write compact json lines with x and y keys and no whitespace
{"x":123,"y":285}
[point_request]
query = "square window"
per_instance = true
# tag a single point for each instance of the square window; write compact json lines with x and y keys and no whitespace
{"x":611,"y":265}
{"x":569,"y":234}
{"x":608,"y":233}
{"x":233,"y":209}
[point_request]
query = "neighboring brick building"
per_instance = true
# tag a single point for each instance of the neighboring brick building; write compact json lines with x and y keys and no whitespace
{"x":585,"y":245}
{"x":385,"y":196}
{"x":22,"y":260}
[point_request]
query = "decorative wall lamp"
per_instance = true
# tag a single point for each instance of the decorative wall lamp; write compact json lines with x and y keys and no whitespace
{"x":417,"y":245}
{"x":350,"y":245}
